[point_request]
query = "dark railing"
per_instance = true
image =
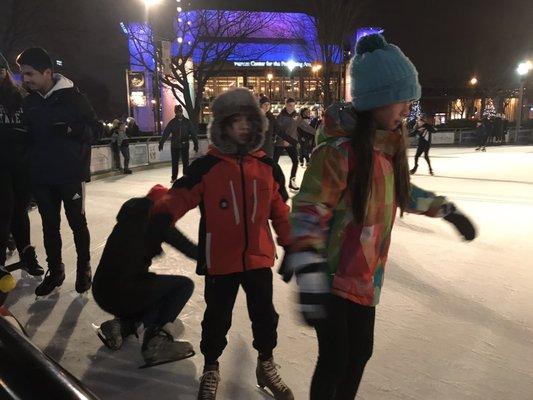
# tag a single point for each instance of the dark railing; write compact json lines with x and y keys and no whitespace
{"x":27,"y":373}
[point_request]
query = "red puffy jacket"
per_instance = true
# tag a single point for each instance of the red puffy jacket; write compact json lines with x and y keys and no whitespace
{"x":237,"y":196}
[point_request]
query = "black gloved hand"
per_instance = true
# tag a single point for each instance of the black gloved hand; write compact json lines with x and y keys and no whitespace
{"x":160,"y":146}
{"x":156,"y":232}
{"x":462,"y":223}
{"x":284,"y":269}
{"x":314,"y":288}
{"x":196,"y":149}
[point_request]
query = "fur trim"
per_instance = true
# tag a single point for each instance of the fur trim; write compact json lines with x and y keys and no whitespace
{"x":237,"y":101}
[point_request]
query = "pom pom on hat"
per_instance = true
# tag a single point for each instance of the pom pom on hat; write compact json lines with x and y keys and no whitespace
{"x":157,"y":192}
{"x":369,"y":43}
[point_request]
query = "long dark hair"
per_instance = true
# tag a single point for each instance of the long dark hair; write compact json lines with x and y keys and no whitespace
{"x":361,"y":180}
{"x":10,"y":95}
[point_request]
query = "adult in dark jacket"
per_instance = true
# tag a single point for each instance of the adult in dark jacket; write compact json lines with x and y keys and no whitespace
{"x":268,"y":145}
{"x":481,"y":136}
{"x":306,"y":136}
{"x":424,"y":131}
{"x":60,"y":124}
{"x":124,"y":287}
{"x":14,"y":174}
{"x":287,"y":138}
{"x":182,"y":132}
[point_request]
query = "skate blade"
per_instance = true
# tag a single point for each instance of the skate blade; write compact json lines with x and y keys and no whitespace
{"x":263,"y":389}
{"x":105,"y":341}
{"x":48,"y":297}
{"x":185,"y":356}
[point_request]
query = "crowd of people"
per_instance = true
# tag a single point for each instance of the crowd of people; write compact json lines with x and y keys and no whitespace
{"x":335,"y":236}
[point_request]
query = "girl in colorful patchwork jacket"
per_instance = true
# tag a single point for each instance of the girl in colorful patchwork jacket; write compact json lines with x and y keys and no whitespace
{"x":343,"y":216}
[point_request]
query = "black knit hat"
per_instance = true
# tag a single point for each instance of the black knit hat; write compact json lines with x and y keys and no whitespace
{"x":263,"y":100}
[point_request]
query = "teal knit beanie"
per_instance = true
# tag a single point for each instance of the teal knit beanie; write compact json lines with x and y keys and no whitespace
{"x":381,"y":75}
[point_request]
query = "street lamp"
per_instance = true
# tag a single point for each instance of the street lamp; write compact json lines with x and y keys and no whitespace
{"x":523,"y":70}
{"x":149,"y":3}
{"x":473,"y":81}
{"x":270,"y":76}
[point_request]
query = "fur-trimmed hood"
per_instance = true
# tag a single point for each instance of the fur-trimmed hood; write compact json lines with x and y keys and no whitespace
{"x":237,"y":101}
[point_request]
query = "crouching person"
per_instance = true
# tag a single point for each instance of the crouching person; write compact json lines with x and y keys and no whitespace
{"x":124,"y":287}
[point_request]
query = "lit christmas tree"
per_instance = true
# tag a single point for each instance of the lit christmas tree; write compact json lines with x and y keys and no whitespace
{"x":490,"y":110}
{"x":414,"y":114}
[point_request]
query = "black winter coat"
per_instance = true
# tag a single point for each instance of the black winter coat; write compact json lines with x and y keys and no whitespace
{"x":60,"y":128}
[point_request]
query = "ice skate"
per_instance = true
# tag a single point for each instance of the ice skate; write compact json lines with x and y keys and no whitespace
{"x":11,"y":246}
{"x":413,"y":171}
{"x":159,"y":347}
{"x":113,"y":332}
{"x":209,"y":383}
{"x":293,"y":185}
{"x":51,"y":281}
{"x":483,"y":149}
{"x":431,"y":172}
{"x":83,"y":278}
{"x":29,"y":262}
{"x":268,"y":378}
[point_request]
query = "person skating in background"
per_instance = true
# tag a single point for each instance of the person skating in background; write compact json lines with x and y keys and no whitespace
{"x":287,"y":139}
{"x":343,"y":216}
{"x":270,"y":134}
{"x":60,"y":124}
{"x":181,"y":132}
{"x":124,"y":287}
{"x":306,"y":135}
{"x":481,"y":136}
{"x":238,"y":190}
{"x":15,"y":191}
{"x":132,"y":129}
{"x":424,"y":132}
{"x":121,"y":145}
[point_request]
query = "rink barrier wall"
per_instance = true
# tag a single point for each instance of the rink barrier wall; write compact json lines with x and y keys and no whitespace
{"x":144,"y":150}
{"x":467,"y":137}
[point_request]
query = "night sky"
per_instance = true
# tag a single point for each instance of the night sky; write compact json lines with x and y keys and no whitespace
{"x":449,"y":41}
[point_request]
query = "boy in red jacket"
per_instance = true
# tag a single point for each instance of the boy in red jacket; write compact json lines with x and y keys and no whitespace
{"x":238,"y":190}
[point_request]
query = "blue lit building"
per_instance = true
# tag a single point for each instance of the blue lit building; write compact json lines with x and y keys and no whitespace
{"x":281,"y":59}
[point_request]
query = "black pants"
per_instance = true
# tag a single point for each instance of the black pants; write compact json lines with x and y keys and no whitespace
{"x":154,"y":300}
{"x":482,"y":140}
{"x":345,"y":344}
{"x":125,"y":150}
{"x":305,"y":151}
{"x":14,"y":200}
{"x":423,"y":148}
{"x":175,"y":153}
{"x":293,"y":154}
{"x":49,"y":199}
{"x":220,"y":294}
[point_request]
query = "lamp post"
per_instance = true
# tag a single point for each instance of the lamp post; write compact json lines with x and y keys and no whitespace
{"x":523,"y":70}
{"x":473,"y":83}
{"x":270,"y":76}
{"x":148,"y":4}
{"x":315,"y":69}
{"x":291,"y":64}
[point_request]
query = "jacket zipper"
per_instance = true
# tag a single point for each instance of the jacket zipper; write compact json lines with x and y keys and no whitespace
{"x":240,"y":160}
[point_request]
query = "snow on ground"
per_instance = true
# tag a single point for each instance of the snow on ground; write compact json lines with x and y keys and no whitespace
{"x":455,"y":321}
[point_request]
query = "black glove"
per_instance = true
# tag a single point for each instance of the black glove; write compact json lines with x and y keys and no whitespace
{"x":461,"y":223}
{"x":196,"y":149}
{"x":160,"y":146}
{"x":314,"y":288}
{"x":284,"y":270}
{"x":310,"y":269}
{"x":156,"y":233}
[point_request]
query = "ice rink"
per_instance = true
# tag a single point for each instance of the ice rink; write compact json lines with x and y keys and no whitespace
{"x":455,"y":321}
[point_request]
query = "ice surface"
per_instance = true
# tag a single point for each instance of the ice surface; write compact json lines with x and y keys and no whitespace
{"x":455,"y":320}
